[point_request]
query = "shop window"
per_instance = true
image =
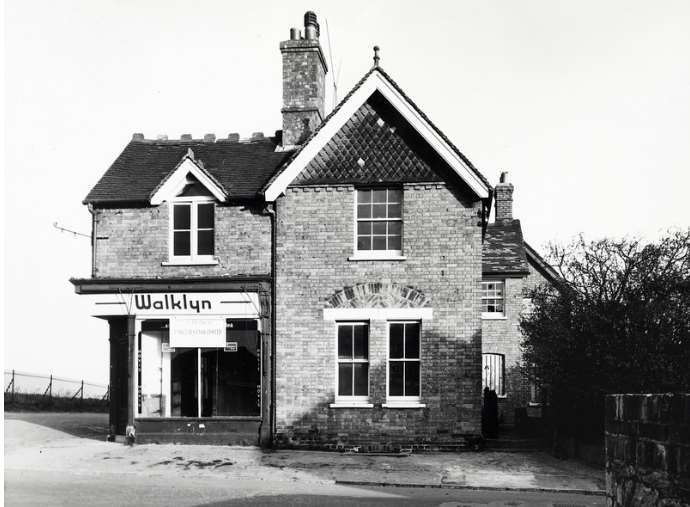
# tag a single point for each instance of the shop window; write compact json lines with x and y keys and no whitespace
{"x":404,"y":362}
{"x":199,"y":382}
{"x":379,"y":221}
{"x":192,"y":230}
{"x":493,"y":372}
{"x":493,"y":297}
{"x":353,"y":363}
{"x":152,"y":398}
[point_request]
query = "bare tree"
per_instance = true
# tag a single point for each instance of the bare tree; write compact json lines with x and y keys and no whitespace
{"x":619,"y":321}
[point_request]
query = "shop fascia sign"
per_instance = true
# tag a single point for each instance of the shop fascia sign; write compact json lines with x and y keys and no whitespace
{"x":239,"y":304}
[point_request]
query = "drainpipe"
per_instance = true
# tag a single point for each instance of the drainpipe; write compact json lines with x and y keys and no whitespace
{"x":271,"y":211}
{"x":93,"y":240}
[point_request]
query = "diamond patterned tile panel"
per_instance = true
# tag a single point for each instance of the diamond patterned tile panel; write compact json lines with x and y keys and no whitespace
{"x":369,"y":149}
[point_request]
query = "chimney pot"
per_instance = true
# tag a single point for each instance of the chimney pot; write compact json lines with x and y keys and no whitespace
{"x":257,"y":136}
{"x":234,"y":137}
{"x":138,"y":136}
{"x":186,"y":137}
{"x":311,"y":21}
{"x":209,"y":138}
{"x":295,"y":34}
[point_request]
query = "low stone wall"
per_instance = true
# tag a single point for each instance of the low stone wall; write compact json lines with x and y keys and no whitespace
{"x":648,"y":449}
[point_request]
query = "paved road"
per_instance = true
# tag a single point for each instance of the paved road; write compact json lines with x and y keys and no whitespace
{"x":65,"y":488}
{"x":46,"y":466}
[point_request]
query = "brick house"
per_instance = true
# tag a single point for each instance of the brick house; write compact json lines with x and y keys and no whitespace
{"x":337,"y":282}
{"x":511,"y":268}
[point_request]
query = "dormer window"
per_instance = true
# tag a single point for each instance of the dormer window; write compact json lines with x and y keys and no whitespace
{"x":192,"y":225}
{"x":193,"y":230}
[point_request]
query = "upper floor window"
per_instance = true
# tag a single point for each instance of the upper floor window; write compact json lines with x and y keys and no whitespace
{"x":379,"y":221}
{"x":493,"y":297}
{"x":192,"y":230}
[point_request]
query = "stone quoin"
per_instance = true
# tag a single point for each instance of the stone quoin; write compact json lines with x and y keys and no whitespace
{"x":339,"y":283}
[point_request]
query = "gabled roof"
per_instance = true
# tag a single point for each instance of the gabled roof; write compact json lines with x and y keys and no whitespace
{"x":503,"y":251}
{"x":240,"y":168}
{"x":176,"y":180}
{"x":376,"y":145}
{"x":376,"y":80}
{"x":536,"y":260}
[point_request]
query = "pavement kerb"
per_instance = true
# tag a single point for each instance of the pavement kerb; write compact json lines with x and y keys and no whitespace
{"x":598,"y":492}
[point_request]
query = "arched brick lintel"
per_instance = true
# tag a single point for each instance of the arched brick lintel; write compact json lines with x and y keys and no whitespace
{"x":378,"y":295}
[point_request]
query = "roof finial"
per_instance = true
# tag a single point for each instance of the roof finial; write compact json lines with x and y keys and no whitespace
{"x":376,"y":56}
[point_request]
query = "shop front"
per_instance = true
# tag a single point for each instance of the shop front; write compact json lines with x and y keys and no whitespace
{"x":188,"y":366}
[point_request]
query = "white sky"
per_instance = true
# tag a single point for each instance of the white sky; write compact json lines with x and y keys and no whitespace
{"x":586,"y":104}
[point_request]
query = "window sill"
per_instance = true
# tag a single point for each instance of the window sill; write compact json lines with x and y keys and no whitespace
{"x":345,"y":404}
{"x":367,"y":257}
{"x":148,"y":418}
{"x":411,"y":404}
{"x":213,"y":262}
{"x":494,"y":316}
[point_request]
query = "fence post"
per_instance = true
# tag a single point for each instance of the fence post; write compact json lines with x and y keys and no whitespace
{"x":81,"y":402}
{"x":13,"y":386}
{"x":50,"y":387}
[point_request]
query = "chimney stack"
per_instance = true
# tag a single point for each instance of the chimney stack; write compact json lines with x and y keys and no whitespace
{"x":304,"y":82}
{"x":504,"y":198}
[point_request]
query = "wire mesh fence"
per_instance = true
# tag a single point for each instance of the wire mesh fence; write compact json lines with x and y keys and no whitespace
{"x":36,"y":391}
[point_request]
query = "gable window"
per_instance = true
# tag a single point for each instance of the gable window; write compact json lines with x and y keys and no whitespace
{"x":353,"y":363}
{"x":379,"y":221}
{"x":404,"y":362}
{"x":493,"y":297}
{"x":493,"y":372}
{"x":192,"y":230}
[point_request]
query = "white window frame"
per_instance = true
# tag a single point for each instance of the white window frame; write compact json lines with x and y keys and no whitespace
{"x":403,"y":401}
{"x":493,"y":315}
{"x":352,"y":401}
{"x":193,"y":257}
{"x":378,"y":254}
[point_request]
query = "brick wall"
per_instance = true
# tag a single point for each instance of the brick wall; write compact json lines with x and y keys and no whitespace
{"x":442,"y":243}
{"x":304,"y":81}
{"x":648,"y":449}
{"x":504,"y":201}
{"x":503,"y":336}
{"x":133,"y":242}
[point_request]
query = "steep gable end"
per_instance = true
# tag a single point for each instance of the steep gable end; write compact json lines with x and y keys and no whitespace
{"x":374,"y":146}
{"x":377,"y":82}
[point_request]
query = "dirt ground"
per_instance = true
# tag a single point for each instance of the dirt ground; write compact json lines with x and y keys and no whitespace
{"x":52,"y":445}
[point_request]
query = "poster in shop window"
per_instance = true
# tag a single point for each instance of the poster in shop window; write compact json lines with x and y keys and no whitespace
{"x":197,"y":332}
